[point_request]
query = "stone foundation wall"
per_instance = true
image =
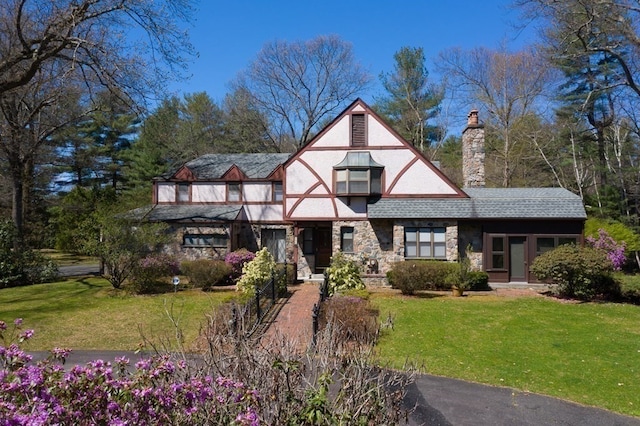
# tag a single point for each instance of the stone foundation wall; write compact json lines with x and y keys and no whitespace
{"x":375,"y":280}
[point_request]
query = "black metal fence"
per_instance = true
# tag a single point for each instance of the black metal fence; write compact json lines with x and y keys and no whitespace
{"x":250,"y":315}
{"x":324,"y":294}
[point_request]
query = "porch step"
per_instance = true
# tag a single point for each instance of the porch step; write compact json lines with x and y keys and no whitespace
{"x":313,"y":278}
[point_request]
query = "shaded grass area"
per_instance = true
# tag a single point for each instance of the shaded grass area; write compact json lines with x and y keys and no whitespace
{"x":584,"y":352}
{"x":87,"y":313}
{"x":68,"y":259}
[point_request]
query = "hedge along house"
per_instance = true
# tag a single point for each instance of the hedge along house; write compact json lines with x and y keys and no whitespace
{"x":359,"y":188}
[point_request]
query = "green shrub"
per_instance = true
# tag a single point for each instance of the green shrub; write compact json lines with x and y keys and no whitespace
{"x":256,"y":272}
{"x":478,"y":280}
{"x":207,"y":273}
{"x":285,"y":278}
{"x":415,"y":275}
{"x":22,"y":267}
{"x":579,"y":272}
{"x":151,"y":274}
{"x":344,"y":274}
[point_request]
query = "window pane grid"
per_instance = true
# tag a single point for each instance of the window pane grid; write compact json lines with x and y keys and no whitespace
{"x":425,"y":243}
{"x":346,"y":239}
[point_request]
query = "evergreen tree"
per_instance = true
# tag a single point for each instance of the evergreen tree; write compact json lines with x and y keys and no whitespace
{"x":412,"y":101}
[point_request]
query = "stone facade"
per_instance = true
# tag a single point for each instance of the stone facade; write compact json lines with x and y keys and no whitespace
{"x":176,"y":246}
{"x":471,"y":242}
{"x":373,"y":244}
{"x":378,"y":244}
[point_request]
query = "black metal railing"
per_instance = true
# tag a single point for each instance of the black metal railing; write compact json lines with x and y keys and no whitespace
{"x":324,"y":294}
{"x":250,"y":315}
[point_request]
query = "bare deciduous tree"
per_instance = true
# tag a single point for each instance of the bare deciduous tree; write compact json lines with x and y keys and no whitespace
{"x":51,"y":48}
{"x":506,"y":86}
{"x":298,"y":84}
{"x":93,"y":41}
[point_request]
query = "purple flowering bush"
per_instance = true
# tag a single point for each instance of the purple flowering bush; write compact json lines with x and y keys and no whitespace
{"x":150,"y":274}
{"x":154,"y":391}
{"x":237,"y":259}
{"x":616,"y":252}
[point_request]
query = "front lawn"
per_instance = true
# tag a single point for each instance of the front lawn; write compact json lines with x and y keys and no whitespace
{"x":87,"y":313}
{"x":62,"y":258}
{"x":584,"y":352}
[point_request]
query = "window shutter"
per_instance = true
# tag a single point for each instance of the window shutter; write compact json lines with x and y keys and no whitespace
{"x":358,"y":130}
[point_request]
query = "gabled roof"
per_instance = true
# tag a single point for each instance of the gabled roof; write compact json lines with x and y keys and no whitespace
{"x":186,"y":213}
{"x":485,"y":203}
{"x":215,"y":166}
{"x":360,"y":107}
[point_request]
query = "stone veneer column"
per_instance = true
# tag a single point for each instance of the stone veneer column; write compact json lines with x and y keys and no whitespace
{"x":473,"y":153}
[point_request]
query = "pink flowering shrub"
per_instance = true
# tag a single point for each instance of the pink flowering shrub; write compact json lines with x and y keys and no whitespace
{"x":151,"y":273}
{"x":156,"y":391}
{"x":237,"y":259}
{"x":615,"y":251}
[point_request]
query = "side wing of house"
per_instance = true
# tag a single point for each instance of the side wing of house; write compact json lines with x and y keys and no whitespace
{"x":223,"y":202}
{"x":354,"y":161}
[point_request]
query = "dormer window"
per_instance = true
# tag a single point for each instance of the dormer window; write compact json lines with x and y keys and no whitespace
{"x":358,"y":174}
{"x":183,"y":192}
{"x":234,"y":192}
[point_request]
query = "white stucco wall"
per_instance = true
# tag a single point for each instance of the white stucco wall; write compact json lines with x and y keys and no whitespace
{"x":312,"y":207}
{"x":260,"y":191}
{"x":378,"y":135}
{"x":263,"y":212}
{"x":208,"y":192}
{"x":336,"y":136}
{"x":420,"y":179}
{"x":166,"y":192}
{"x":299,"y":178}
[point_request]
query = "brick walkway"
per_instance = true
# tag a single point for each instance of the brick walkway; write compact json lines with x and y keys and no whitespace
{"x":294,"y":321}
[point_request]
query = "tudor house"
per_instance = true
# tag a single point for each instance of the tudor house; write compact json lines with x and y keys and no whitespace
{"x":358,"y":187}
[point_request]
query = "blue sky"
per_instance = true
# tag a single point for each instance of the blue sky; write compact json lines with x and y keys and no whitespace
{"x":229,"y":34}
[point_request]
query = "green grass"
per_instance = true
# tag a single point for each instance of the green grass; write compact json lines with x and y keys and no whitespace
{"x":584,"y":352}
{"x":87,"y":313}
{"x":68,"y":259}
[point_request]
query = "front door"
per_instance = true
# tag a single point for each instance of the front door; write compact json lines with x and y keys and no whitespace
{"x":517,"y":259}
{"x":322,"y":248}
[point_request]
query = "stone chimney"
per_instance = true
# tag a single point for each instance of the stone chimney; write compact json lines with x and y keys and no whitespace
{"x":473,"y":152}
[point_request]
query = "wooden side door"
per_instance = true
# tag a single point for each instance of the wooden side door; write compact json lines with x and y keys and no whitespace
{"x":322,"y":243}
{"x":517,"y":259}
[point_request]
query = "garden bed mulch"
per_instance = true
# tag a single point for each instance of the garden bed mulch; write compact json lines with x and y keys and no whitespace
{"x":500,"y":292}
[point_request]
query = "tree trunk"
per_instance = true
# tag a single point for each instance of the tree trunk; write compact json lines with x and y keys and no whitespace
{"x":17,"y":211}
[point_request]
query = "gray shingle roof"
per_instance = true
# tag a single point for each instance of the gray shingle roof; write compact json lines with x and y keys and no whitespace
{"x":486,"y":203}
{"x":186,"y":213}
{"x":254,"y":166}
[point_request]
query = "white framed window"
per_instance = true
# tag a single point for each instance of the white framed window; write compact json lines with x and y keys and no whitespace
{"x":277,"y":191}
{"x":425,"y":242}
{"x":183,"y":192}
{"x":234,"y":192}
{"x":346,"y":239}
